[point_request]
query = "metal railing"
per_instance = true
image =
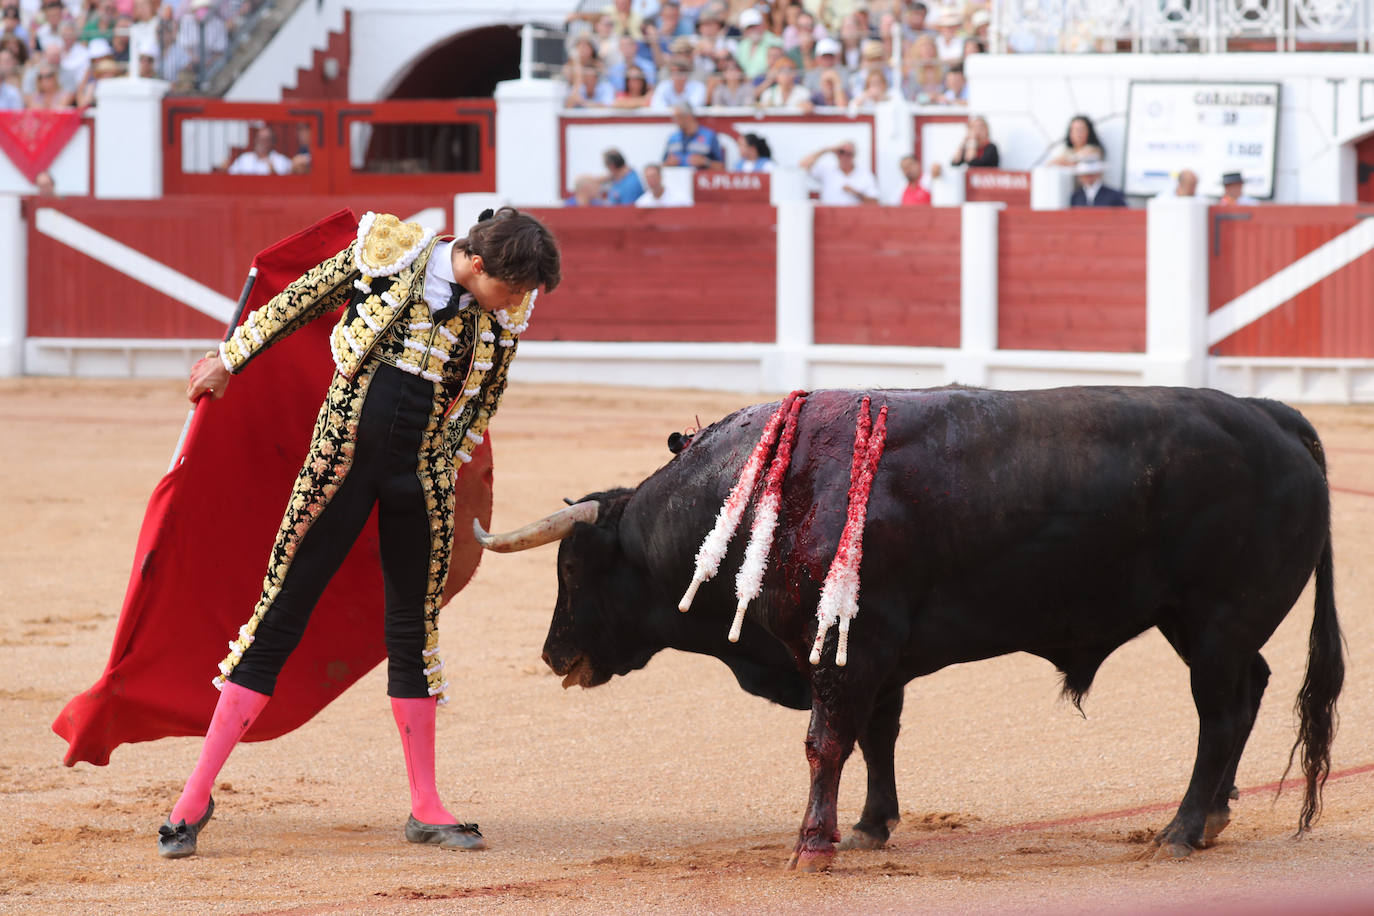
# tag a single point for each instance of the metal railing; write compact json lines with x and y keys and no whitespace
{"x":195,"y":46}
{"x":1182,"y":25}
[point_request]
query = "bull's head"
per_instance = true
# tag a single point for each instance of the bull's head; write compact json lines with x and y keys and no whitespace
{"x":595,"y":631}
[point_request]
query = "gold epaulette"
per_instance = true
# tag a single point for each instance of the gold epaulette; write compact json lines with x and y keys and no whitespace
{"x":386,"y":245}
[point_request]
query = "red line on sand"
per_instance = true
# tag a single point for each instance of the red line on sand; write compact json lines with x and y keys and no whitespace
{"x":1352,"y":492}
{"x":1133,"y":812}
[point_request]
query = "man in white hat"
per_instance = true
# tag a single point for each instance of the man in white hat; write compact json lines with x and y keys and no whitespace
{"x":1091,"y":192}
{"x":752,"y":49}
{"x":826,"y":66}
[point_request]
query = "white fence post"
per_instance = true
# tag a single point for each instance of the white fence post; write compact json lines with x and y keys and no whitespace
{"x":128,"y":138}
{"x":527,"y":142}
{"x":14,"y":292}
{"x":977,"y":292}
{"x":1176,"y":291}
{"x":786,"y":367}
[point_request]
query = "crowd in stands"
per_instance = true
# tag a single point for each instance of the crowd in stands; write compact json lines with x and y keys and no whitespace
{"x":53,"y":52}
{"x":793,"y":55}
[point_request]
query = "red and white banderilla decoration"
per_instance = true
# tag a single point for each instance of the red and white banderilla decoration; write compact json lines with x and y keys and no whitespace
{"x":840,"y":594}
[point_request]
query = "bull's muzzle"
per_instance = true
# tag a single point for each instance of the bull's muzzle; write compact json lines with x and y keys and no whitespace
{"x":553,"y":527}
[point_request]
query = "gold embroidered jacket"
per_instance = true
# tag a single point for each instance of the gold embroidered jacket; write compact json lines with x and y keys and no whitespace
{"x":381,"y":280}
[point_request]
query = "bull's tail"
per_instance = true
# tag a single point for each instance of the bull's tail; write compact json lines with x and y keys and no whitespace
{"x":1316,"y":702}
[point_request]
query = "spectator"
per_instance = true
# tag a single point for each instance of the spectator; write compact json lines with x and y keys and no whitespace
{"x":924,"y":84}
{"x":974,"y":46}
{"x":851,"y":44}
{"x":605,"y":38}
{"x":10,"y":22}
{"x":584,"y":54}
{"x":1080,"y":142}
{"x":712,"y":40}
{"x":754,"y":154}
{"x":871,"y":58}
{"x":262,"y":159}
{"x":799,"y":40}
{"x":955,"y":90}
{"x":670,"y":22}
{"x":624,"y":19}
{"x":1187,"y":184}
{"x":979,"y":21}
{"x":691,"y":12}
{"x":119,"y":45}
{"x":733,"y":90}
{"x":48,"y":32}
{"x":752,"y":50}
{"x":1091,"y":192}
{"x":631,"y":56}
{"x":977,"y":148}
{"x":692,"y":144}
{"x":48,"y":94}
{"x":100,"y":23}
{"x":656,"y":194}
{"x":11,"y":96}
{"x":825,"y":69}
{"x":677,"y":88}
{"x":304,"y":156}
{"x":587,"y":89}
{"x":76,"y":57}
{"x":636,"y":92}
{"x":623,"y":186}
{"x":842,"y":182}
{"x":875,"y":90}
{"x":781,"y":90}
{"x":586,"y":192}
{"x":1233,"y":191}
{"x":914,"y":22}
{"x":101,"y":68}
{"x":915,"y":194}
{"x":147,"y":64}
{"x":948,"y":42}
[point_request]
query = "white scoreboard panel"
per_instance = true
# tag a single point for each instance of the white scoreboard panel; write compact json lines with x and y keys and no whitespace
{"x":1211,"y":128}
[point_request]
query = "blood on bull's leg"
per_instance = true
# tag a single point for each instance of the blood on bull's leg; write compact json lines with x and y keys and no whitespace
{"x":878,"y":741}
{"x":829,"y":742}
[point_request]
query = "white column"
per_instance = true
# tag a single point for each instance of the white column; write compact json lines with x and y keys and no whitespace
{"x":950,"y":189}
{"x":787,"y":183}
{"x":680,"y":181}
{"x":895,"y":130}
{"x":787,"y":368}
{"x":1176,"y":291}
{"x":467,"y":207}
{"x":977,"y":292}
{"x":14,"y":292}
{"x":128,"y":138}
{"x":527,"y":142}
{"x":1051,"y":187}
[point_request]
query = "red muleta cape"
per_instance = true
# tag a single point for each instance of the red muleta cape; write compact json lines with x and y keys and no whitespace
{"x":207,"y":535}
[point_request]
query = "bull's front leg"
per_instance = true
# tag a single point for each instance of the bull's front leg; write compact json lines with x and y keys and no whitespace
{"x":829,"y":742}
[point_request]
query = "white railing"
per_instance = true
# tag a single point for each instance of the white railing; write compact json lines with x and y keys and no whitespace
{"x":1181,"y":25}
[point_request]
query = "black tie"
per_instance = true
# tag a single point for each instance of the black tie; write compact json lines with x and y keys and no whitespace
{"x":448,"y":311}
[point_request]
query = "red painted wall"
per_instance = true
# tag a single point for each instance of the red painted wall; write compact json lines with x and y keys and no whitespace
{"x":702,"y":273}
{"x":1072,"y":280}
{"x":1331,"y":318}
{"x":887,"y":275}
{"x":210,"y":239}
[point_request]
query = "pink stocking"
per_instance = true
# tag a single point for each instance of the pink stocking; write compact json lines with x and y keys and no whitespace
{"x":234,"y":713}
{"x":415,"y":721}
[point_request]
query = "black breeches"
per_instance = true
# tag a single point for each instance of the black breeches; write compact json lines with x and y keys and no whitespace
{"x":391,"y":429}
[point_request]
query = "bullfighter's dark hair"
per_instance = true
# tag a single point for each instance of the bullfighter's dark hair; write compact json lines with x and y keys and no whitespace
{"x":516,"y":248}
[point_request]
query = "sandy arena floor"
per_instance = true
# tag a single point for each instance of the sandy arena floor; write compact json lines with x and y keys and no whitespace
{"x":667,"y":791}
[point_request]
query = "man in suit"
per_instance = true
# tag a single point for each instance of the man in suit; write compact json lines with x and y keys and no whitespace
{"x":1091,"y":192}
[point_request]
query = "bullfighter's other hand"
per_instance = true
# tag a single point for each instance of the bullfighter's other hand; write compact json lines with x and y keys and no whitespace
{"x":208,"y":376}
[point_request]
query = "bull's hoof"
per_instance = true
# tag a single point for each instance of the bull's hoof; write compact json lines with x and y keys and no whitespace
{"x":862,"y":839}
{"x":1216,"y":823}
{"x":811,"y":860}
{"x":1173,"y":850}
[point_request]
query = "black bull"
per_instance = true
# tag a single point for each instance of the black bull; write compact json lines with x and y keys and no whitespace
{"x":1061,"y":523}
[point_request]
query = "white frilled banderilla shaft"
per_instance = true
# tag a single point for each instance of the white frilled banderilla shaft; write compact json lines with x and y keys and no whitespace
{"x":749,"y":581}
{"x":713,"y":548}
{"x":840,"y":593}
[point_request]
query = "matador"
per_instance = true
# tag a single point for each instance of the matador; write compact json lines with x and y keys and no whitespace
{"x":428,"y":331}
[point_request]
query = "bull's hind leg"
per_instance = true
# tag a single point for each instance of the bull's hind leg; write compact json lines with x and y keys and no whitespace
{"x":829,"y":742}
{"x":878,"y":741}
{"x":1220,"y":677}
{"x":1252,"y":688}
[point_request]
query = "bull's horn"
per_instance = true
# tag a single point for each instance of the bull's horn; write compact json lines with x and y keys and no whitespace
{"x":553,"y":527}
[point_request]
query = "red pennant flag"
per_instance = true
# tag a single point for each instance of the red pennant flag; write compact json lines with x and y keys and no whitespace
{"x":207,"y":535}
{"x":33,"y":138}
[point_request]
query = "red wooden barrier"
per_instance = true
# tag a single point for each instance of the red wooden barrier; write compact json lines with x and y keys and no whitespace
{"x":1331,"y":318}
{"x":679,"y":274}
{"x":212,"y":240}
{"x":887,"y":275}
{"x":1071,"y":280}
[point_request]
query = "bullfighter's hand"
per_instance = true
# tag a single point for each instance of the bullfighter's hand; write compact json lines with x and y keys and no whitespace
{"x":208,"y":376}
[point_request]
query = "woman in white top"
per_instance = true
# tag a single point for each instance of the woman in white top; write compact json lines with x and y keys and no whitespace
{"x":782,"y":90}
